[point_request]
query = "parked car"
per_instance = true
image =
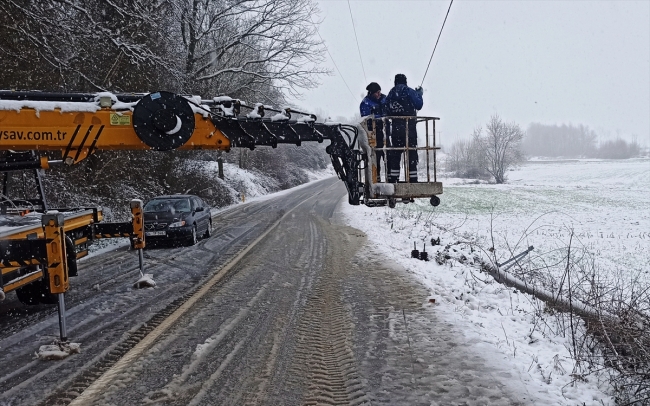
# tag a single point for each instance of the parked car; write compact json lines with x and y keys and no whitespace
{"x":183,"y":218}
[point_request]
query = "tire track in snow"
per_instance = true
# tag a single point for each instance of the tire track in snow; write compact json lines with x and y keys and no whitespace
{"x":324,"y":353}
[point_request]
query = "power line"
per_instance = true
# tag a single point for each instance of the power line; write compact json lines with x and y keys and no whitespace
{"x":435,"y":46}
{"x":335,"y":65}
{"x":357,"y":39}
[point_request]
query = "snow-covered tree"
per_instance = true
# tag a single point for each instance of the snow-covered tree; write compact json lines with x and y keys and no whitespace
{"x":249,"y":47}
{"x":83,"y":45}
{"x":501,"y":145}
{"x":260,"y":50}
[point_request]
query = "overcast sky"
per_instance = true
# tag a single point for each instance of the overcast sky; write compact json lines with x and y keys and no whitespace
{"x":551,"y":62}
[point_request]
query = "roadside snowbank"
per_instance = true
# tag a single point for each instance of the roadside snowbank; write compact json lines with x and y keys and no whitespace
{"x":603,"y":203}
{"x":503,"y":320}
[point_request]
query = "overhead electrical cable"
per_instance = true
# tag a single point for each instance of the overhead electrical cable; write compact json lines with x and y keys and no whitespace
{"x":357,"y":40}
{"x":335,"y":65}
{"x":435,"y":46}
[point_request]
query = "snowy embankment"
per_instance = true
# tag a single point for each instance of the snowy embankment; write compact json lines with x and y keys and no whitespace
{"x":598,"y":207}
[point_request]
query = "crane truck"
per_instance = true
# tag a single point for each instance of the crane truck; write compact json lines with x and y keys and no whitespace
{"x":38,"y":253}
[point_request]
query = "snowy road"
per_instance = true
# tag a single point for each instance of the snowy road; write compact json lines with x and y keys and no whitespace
{"x":310,"y":315}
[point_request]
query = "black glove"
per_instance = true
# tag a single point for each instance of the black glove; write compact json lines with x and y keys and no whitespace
{"x":419,"y":90}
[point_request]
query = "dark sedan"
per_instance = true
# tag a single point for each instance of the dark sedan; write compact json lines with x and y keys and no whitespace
{"x":182,"y":218}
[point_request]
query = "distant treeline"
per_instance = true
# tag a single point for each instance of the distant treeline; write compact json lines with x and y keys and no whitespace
{"x":489,"y":154}
{"x":574,"y":141}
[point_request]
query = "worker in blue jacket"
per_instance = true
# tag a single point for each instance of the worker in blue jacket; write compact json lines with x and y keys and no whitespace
{"x":373,"y":105}
{"x":403,"y":101}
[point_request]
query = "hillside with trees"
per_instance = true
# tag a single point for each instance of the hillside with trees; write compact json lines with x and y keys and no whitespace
{"x":247,"y":49}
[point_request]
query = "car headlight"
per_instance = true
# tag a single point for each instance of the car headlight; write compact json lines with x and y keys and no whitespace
{"x":177,"y":224}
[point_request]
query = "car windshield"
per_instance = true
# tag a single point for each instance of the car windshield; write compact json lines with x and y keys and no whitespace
{"x":173,"y":205}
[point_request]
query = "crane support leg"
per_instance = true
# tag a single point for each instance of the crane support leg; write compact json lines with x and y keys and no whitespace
{"x":57,"y":264}
{"x":137,"y":215}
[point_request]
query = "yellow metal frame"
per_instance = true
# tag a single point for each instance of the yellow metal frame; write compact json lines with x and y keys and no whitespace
{"x":70,"y":224}
{"x":22,"y":282}
{"x":57,"y":259}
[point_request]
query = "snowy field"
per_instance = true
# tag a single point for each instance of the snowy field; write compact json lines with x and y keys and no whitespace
{"x":604,"y":203}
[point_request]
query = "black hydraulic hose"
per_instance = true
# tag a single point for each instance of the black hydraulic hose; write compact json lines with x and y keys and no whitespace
{"x":355,"y":130}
